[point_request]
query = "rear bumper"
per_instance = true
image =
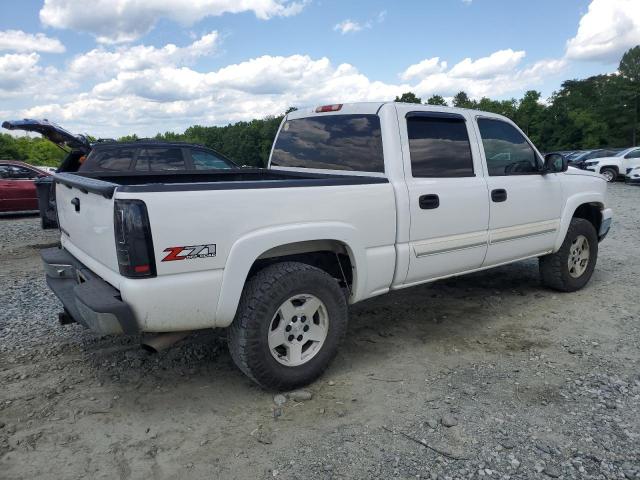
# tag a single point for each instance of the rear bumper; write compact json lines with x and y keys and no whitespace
{"x":87,"y":298}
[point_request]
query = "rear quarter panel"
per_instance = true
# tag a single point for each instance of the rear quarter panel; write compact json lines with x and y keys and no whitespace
{"x":243,"y":224}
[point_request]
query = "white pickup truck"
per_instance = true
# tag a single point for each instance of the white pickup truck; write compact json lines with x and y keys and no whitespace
{"x":357,"y":200}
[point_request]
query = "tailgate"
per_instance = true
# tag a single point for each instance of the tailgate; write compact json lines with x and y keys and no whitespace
{"x":85,"y":214}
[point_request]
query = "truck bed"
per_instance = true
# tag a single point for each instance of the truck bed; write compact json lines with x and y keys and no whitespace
{"x":105,"y":184}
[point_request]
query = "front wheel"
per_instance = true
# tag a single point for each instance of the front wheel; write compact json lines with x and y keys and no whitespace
{"x":290,"y":322}
{"x":571,"y":267}
{"x":609,"y":174}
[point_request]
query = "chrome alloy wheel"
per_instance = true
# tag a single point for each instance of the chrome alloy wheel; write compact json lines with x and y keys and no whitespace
{"x":608,"y":175}
{"x":578,"y":256}
{"x":298,"y":330}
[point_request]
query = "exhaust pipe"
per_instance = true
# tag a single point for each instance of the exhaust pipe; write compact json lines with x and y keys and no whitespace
{"x":162,"y":341}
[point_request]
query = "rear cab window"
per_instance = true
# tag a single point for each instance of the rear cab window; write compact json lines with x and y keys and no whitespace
{"x":351,"y":142}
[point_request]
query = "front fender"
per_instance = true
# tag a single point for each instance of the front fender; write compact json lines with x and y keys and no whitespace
{"x":251,"y":246}
{"x":572,"y":204}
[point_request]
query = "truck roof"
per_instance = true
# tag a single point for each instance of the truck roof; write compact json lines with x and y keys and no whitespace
{"x":372,"y":108}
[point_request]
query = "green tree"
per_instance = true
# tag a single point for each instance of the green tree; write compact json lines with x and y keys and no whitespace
{"x":436,"y":100}
{"x":629,"y":69}
{"x":408,"y":97}
{"x":462,"y":100}
{"x":529,"y":113}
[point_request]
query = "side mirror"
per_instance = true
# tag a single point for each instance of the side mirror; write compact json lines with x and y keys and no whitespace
{"x":555,"y":163}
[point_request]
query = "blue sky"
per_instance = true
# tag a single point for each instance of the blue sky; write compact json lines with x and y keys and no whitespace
{"x":123,"y":67}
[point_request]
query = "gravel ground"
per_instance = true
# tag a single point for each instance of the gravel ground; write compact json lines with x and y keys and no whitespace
{"x":484,"y":376}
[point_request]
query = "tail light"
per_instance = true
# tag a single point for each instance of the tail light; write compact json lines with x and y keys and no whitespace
{"x":134,"y":245}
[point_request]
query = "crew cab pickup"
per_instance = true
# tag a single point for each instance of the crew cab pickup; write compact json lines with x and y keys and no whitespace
{"x":357,"y":200}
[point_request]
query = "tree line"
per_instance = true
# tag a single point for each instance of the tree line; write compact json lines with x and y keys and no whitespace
{"x":599,"y":111}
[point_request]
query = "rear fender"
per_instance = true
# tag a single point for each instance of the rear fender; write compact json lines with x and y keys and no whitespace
{"x":250,"y":247}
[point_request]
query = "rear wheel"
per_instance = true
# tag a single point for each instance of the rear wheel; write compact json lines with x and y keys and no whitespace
{"x":609,"y":174}
{"x":290,"y":322}
{"x":571,"y":267}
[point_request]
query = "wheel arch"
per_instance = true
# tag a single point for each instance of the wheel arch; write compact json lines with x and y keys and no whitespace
{"x":611,"y":166}
{"x":586,"y":206}
{"x":308,"y":243}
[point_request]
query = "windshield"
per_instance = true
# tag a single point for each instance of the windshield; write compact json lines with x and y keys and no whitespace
{"x":623,"y":152}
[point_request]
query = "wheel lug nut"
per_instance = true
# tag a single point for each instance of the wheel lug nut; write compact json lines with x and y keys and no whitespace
{"x":306,"y":328}
{"x":299,"y":338}
{"x":294,"y":319}
{"x":303,"y":319}
{"x":290,"y":338}
{"x":287,"y":328}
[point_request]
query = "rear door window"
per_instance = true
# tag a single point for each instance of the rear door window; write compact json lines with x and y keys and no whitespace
{"x":439,"y":146}
{"x":335,"y":142}
{"x":156,"y":159}
{"x":109,"y":159}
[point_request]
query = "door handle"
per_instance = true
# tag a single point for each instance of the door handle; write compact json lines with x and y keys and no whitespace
{"x":76,"y":203}
{"x":429,"y":202}
{"x":499,"y":195}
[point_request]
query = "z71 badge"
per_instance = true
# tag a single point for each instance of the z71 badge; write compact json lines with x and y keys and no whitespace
{"x":190,"y":252}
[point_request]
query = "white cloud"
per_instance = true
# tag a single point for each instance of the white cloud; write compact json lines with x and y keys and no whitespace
{"x":14,"y":68}
{"x":116,"y":21}
{"x":100,"y":62}
{"x":496,"y":63}
{"x":490,"y":76}
{"x":164,"y":95}
{"x":348,"y":26}
{"x":20,"y":41}
{"x":426,"y":67}
{"x":607,"y":29}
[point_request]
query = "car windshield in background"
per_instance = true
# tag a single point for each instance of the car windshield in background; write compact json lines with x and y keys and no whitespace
{"x":336,"y":142}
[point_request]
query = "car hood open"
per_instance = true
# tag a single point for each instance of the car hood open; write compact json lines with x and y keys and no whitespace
{"x":50,"y":131}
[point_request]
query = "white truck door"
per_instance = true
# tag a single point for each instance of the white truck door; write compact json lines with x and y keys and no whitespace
{"x":525,"y":204}
{"x":448,"y":197}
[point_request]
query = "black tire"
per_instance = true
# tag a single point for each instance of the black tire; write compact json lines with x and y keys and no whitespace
{"x":614,"y":174}
{"x":554,"y":268}
{"x":261,"y":298}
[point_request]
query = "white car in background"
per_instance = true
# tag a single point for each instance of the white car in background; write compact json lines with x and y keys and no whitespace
{"x":633,"y":177}
{"x":618,"y":165}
